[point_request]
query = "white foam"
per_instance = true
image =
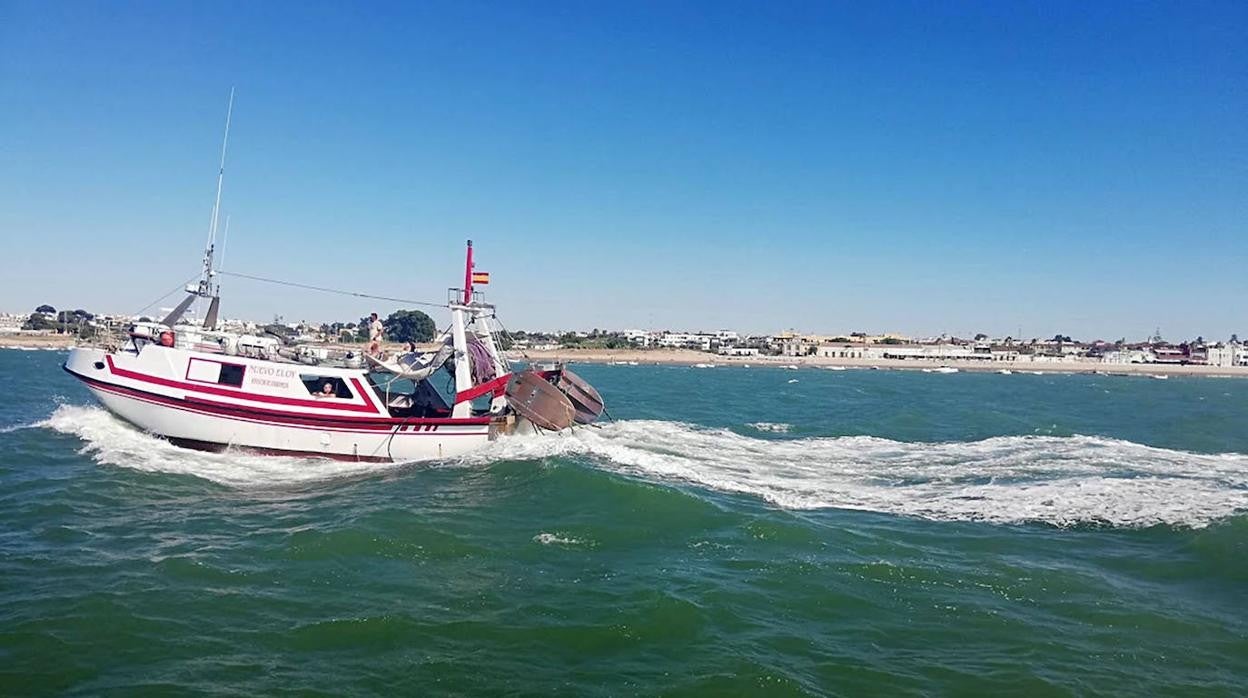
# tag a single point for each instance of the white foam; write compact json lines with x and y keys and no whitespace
{"x":555,"y":539}
{"x":110,"y":441}
{"x":778,"y":427}
{"x":1057,"y":480}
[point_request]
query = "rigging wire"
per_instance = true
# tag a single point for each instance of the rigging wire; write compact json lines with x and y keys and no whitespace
{"x":175,"y":289}
{"x":325,"y":289}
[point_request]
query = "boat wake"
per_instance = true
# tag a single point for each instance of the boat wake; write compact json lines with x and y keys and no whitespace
{"x":111,"y":441}
{"x":1062,"y":481}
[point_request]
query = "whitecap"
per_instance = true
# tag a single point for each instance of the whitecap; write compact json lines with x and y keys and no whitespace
{"x":555,"y":539}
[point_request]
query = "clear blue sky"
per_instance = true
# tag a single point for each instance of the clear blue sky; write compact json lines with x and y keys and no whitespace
{"x":925,"y":167}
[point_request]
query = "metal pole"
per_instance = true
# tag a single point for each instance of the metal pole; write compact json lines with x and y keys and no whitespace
{"x":468,"y":276}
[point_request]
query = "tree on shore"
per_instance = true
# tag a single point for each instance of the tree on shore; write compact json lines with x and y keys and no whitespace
{"x":47,"y":309}
{"x":38,"y":321}
{"x":408,"y":326}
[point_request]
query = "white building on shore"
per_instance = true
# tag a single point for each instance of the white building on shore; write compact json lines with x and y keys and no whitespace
{"x":1226,"y":355}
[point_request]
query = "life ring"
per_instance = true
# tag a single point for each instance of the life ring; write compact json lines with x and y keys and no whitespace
{"x":166,"y":339}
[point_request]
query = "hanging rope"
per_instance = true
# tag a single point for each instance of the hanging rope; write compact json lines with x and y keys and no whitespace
{"x":324,"y":289}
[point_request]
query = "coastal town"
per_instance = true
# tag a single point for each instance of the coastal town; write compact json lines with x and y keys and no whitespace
{"x":47,"y":327}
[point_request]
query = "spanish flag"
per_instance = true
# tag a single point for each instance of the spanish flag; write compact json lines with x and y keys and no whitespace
{"x":480,"y":277}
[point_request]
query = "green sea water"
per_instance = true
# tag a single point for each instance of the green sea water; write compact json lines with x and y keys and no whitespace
{"x":731,"y":533}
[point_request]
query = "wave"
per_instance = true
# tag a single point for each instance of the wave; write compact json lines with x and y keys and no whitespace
{"x":111,"y":441}
{"x":1062,"y":481}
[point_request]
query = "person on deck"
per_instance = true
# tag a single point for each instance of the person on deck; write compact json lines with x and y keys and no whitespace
{"x":374,"y":336}
{"x":327,"y":390}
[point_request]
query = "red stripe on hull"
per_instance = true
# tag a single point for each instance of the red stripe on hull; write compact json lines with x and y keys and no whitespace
{"x":239,"y":394}
{"x":285,"y":419}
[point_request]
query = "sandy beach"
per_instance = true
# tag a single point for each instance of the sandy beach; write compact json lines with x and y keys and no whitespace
{"x":37,"y":341}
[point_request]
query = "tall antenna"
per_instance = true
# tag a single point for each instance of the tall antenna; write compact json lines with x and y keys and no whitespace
{"x":205,"y":289}
{"x":206,"y":282}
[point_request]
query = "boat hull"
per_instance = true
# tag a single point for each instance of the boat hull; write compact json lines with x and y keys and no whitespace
{"x":137,"y":390}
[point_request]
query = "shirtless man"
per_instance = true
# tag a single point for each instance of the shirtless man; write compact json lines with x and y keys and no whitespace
{"x":374,"y":336}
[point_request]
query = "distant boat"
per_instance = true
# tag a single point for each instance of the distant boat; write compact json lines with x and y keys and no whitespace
{"x":834,"y":368}
{"x":704,"y":365}
{"x":945,"y":369}
{"x":790,"y":367}
{"x":792,"y":380}
{"x":1006,"y":372}
{"x":1160,"y":376}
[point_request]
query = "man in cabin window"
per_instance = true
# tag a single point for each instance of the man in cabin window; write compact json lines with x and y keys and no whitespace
{"x":374,"y":336}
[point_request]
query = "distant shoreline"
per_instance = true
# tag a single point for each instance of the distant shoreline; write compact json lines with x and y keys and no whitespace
{"x":688,"y":357}
{"x":685,"y":357}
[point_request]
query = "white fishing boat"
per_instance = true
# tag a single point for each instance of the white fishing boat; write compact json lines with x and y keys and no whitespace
{"x":205,"y":388}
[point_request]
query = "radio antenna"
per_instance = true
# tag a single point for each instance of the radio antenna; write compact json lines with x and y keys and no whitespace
{"x":206,"y":282}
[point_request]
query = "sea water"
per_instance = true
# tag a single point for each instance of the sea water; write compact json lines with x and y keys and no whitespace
{"x":729,"y":532}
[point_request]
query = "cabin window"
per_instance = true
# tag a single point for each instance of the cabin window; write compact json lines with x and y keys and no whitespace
{"x":231,"y":374}
{"x":326,"y":386}
{"x":202,"y":371}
